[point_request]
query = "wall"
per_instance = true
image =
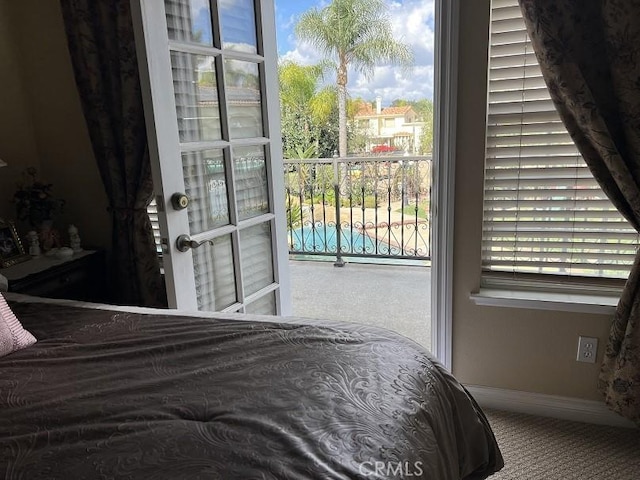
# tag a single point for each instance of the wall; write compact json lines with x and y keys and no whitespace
{"x":54,"y":121}
{"x":17,"y":136}
{"x":528,"y":350}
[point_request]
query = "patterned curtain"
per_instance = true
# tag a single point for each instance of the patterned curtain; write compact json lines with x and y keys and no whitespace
{"x":589,"y":52}
{"x":101,"y":44}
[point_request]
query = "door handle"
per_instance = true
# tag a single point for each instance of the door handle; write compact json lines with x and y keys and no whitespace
{"x":184,"y":243}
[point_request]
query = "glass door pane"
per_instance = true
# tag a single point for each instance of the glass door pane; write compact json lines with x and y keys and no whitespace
{"x":242,"y":83}
{"x":196,"y":95}
{"x":252,"y":192}
{"x":264,"y":305}
{"x":206,"y":186}
{"x":189,"y":21}
{"x":215,"y":275}
{"x":238,"y":19}
{"x":257,"y":260}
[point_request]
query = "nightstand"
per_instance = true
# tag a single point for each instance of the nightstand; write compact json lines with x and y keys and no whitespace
{"x":80,"y":277}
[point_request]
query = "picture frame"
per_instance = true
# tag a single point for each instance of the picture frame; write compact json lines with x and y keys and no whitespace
{"x":11,"y":249}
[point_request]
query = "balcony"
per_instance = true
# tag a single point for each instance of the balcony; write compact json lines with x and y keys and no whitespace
{"x":372,"y":207}
{"x":372,"y":213}
{"x":397,"y":297}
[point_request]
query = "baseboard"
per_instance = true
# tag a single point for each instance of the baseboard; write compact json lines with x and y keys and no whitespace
{"x":566,"y":408}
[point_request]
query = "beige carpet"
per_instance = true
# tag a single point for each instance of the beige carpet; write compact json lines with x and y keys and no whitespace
{"x":538,"y":448}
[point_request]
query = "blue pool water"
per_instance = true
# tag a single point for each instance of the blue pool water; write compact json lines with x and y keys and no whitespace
{"x":323,"y":238}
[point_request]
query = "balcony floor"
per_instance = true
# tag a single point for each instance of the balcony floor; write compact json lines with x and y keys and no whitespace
{"x":396,"y":297}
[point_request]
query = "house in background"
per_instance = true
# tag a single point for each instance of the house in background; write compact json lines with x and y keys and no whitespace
{"x":396,"y":127}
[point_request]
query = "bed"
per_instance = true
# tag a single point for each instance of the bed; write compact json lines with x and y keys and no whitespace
{"x":111,"y":393}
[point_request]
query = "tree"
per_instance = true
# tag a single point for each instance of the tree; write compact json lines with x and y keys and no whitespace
{"x":426,"y":138}
{"x":354,"y":33}
{"x":306,"y":111}
{"x":424,"y":109}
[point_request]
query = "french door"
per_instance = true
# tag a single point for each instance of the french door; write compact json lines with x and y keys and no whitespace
{"x":209,"y":79}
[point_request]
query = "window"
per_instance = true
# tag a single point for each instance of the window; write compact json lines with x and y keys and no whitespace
{"x":544,"y":212}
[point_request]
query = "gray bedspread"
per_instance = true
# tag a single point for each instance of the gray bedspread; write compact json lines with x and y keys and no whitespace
{"x":131,"y":396}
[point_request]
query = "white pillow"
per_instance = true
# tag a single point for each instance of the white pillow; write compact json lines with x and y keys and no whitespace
{"x":12,"y":335}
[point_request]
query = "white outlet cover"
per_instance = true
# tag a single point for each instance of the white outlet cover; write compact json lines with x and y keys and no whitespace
{"x":587,"y":349}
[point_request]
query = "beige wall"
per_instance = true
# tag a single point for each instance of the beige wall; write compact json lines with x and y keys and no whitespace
{"x":50,"y":132}
{"x":528,"y":350}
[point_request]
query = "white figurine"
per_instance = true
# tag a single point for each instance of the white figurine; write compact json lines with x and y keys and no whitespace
{"x":34,"y":243}
{"x":74,"y":239}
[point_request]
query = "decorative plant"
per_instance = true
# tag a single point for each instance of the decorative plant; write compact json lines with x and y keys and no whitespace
{"x":34,"y":201}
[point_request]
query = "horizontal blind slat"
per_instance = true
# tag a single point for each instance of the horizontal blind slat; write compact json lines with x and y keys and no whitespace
{"x":505,"y":12}
{"x":525,"y":128}
{"x":529,"y":106}
{"x":525,"y":162}
{"x":522,"y":59}
{"x":525,"y":118}
{"x":541,"y":140}
{"x":515,"y":72}
{"x":507,"y":37}
{"x":511,"y":84}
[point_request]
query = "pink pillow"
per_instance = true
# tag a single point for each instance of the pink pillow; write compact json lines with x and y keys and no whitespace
{"x":12,"y":336}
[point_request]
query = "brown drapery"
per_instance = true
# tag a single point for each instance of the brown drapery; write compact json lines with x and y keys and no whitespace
{"x":589,"y":53}
{"x":102,"y":47}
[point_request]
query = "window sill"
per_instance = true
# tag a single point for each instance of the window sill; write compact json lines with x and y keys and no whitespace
{"x":563,"y":302}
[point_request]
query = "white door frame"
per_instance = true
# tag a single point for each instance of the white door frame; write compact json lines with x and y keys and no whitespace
{"x":444,"y":152}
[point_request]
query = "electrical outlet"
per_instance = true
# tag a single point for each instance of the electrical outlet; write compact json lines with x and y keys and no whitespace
{"x":587,"y":349}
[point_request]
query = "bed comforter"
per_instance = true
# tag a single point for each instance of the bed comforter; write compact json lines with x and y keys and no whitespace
{"x":116,"y":395}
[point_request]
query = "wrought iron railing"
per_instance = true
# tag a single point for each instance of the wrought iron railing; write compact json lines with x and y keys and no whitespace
{"x":359,"y":206}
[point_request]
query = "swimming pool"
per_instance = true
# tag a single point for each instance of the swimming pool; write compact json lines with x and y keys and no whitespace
{"x":321,"y":238}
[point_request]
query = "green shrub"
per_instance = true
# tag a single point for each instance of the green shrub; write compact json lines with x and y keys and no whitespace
{"x":370,"y":201}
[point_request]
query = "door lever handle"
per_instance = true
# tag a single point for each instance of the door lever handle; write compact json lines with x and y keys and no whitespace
{"x":184,"y":243}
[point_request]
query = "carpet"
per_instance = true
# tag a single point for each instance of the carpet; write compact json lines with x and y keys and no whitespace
{"x":540,"y":448}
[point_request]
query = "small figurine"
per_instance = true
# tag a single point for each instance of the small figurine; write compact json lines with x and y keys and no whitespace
{"x":49,"y":238}
{"x":74,"y":239}
{"x":34,"y":243}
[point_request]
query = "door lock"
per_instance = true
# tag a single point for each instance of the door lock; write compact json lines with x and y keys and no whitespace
{"x":184,"y":243}
{"x":179,"y":201}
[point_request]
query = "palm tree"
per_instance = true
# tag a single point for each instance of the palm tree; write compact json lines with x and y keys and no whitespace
{"x":305,"y":110}
{"x":354,"y":33}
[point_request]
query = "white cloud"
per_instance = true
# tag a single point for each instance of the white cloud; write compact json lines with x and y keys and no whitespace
{"x":411,"y":22}
{"x":390,"y":83}
{"x":303,"y":54}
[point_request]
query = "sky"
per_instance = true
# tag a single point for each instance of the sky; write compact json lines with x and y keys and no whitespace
{"x":412,"y":22}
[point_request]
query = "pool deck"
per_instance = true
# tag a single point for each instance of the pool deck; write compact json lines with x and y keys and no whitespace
{"x":397,"y":297}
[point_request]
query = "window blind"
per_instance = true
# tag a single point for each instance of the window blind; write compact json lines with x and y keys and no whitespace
{"x":152,"y":211}
{"x":543,"y":210}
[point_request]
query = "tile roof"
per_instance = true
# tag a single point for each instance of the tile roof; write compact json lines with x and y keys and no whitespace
{"x":366,"y":110}
{"x":396,"y":110}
